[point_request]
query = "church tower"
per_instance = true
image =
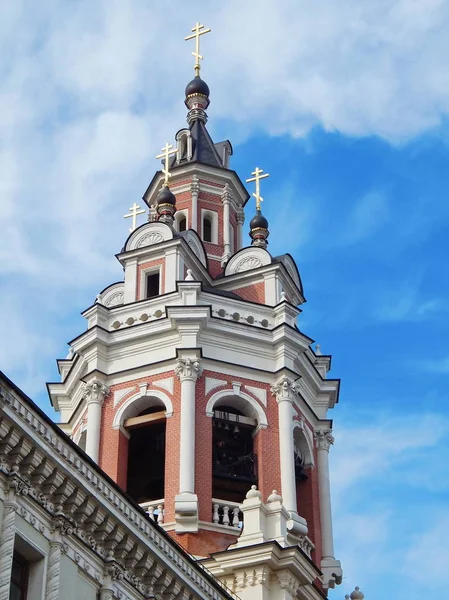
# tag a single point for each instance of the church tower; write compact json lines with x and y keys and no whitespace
{"x":192,"y":383}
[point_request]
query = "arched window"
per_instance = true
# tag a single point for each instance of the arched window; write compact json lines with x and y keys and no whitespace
{"x":182,"y":224}
{"x":146,"y":454}
{"x":234,"y":463}
{"x":207,"y":229}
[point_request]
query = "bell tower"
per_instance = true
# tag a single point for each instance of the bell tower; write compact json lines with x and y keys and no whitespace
{"x":192,"y":385}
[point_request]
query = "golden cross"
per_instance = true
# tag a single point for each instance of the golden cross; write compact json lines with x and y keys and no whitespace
{"x":167,"y":151}
{"x":197,"y":31}
{"x":257,"y":177}
{"x":134,"y":211}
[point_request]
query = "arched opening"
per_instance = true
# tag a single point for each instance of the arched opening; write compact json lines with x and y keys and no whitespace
{"x":182,"y":225}
{"x":146,"y":454}
{"x":234,"y":462}
{"x":207,"y":229}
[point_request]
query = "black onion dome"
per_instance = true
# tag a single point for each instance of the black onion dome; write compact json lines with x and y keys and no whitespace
{"x":165,"y":196}
{"x":258,"y":221}
{"x":197,"y":86}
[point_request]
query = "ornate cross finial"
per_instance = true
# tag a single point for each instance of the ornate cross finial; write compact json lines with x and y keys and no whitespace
{"x":198,"y":30}
{"x":167,"y":151}
{"x":257,"y":177}
{"x":134,"y":210}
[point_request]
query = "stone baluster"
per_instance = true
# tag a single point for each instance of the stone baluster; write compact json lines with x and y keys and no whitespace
{"x":235,"y":517}
{"x":160,"y":514}
{"x":226,"y":515}
{"x":94,"y":394}
{"x":150,"y":512}
{"x":215,"y":515}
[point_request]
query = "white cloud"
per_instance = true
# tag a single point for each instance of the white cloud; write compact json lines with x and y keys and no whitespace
{"x":377,"y":462}
{"x":406,"y":302}
{"x":428,"y":556}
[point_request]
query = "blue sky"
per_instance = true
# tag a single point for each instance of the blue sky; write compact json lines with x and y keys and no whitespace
{"x":345,"y":105}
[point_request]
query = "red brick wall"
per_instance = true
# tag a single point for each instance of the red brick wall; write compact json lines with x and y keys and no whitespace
{"x":204,"y":542}
{"x":253,"y":293}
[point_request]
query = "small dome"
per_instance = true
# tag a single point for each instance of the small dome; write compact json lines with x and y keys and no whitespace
{"x":357,"y":594}
{"x":165,"y":196}
{"x":258,"y":221}
{"x":197,"y":86}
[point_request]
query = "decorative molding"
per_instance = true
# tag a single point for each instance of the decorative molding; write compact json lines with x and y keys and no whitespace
{"x":114,"y":299}
{"x":285,"y":389}
{"x":324,"y":439}
{"x":211,"y":384}
{"x":120,"y":394}
{"x":260,"y":394}
{"x":151,"y":233}
{"x":153,"y":237}
{"x":95,"y":392}
{"x":166,"y":384}
{"x":247,"y":259}
{"x":187,"y":368}
{"x":246,"y":264}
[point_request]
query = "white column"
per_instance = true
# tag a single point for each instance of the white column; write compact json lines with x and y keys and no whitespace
{"x":240,"y":221}
{"x":226,"y":200}
{"x":194,"y":190}
{"x":324,"y":439}
{"x":7,"y":547}
{"x":188,"y":370}
{"x":94,"y":393}
{"x":284,"y":391}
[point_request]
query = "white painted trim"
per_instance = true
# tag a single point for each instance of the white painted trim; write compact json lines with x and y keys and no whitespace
{"x":213,"y":215}
{"x":143,"y":279}
{"x":180,"y":214}
{"x":307,"y":436}
{"x":242,"y":398}
{"x":121,"y":415}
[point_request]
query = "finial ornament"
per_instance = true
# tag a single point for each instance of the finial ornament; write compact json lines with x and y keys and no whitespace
{"x":167,"y":151}
{"x":257,"y":177}
{"x":197,"y":30}
{"x":134,"y":210}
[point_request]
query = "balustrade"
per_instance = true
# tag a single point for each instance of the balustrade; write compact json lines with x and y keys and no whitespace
{"x":155,"y":510}
{"x":227,"y":513}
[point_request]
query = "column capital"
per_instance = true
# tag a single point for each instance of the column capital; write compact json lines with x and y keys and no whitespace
{"x":95,"y":392}
{"x":324,"y":439}
{"x":195,"y":185}
{"x":188,"y":369}
{"x":226,"y":195}
{"x":240,"y":215}
{"x":285,"y":390}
